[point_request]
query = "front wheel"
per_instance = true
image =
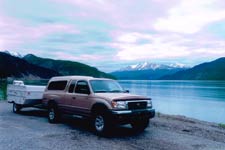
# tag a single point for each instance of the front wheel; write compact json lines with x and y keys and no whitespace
{"x":53,"y":114}
{"x":16,"y":108}
{"x":140,"y":125}
{"x":100,"y":124}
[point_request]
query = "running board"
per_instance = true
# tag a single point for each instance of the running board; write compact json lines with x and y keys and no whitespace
{"x":78,"y":116}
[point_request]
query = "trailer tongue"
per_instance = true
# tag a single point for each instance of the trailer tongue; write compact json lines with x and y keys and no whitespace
{"x":22,"y":95}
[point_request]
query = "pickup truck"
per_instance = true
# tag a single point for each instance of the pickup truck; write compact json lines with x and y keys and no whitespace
{"x":103,"y":101}
{"x":100,"y":100}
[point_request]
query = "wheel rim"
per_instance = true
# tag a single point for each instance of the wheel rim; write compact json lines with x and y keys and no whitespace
{"x":14,"y":107}
{"x":99,"y":123}
{"x":51,"y":114}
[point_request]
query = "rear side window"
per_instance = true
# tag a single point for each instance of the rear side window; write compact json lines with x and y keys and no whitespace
{"x":71,"y":87}
{"x":57,"y":85}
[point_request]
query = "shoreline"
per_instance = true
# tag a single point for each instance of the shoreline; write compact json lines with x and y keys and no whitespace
{"x":189,"y":126}
{"x":186,"y":118}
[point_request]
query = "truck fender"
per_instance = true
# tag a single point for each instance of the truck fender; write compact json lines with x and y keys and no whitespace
{"x":52,"y":102}
{"x":98,"y":107}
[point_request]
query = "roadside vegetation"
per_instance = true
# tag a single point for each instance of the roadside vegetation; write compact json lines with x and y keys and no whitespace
{"x":3,"y":88}
{"x":222,"y":125}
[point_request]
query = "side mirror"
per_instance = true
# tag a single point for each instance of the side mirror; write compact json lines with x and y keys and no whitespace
{"x":84,"y":91}
{"x":87,"y":92}
{"x":127,"y":91}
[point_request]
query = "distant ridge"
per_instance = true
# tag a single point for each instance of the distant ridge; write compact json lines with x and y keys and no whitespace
{"x":11,"y":66}
{"x":65,"y":67}
{"x":147,"y":71}
{"x":153,"y":66}
{"x":16,"y":54}
{"x":214,"y":70}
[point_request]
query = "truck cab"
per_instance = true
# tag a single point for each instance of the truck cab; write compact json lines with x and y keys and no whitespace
{"x":101,"y":100}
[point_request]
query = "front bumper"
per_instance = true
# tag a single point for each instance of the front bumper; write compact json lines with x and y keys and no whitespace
{"x":127,"y":116}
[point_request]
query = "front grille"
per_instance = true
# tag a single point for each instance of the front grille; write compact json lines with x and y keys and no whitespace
{"x":137,"y":105}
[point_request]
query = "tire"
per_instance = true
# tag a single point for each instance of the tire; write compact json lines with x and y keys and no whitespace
{"x":140,"y":125}
{"x":101,"y":124}
{"x":16,"y":108}
{"x":53,"y":114}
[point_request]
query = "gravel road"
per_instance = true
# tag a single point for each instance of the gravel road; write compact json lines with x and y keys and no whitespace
{"x":31,"y":130}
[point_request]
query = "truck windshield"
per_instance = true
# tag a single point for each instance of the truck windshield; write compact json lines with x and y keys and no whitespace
{"x":105,"y":86}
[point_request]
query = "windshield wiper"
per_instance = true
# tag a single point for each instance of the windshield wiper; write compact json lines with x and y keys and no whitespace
{"x":116,"y":91}
{"x":101,"y":91}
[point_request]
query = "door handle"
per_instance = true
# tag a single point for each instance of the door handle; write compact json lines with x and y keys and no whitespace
{"x":73,"y":97}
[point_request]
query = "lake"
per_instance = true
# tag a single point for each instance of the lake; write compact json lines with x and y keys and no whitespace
{"x":204,"y":100}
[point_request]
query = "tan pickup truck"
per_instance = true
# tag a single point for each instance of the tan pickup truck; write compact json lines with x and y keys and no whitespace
{"x":103,"y":101}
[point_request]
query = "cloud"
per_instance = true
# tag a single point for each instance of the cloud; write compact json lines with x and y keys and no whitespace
{"x":190,"y":16}
{"x":133,"y":37}
{"x":16,"y":33}
{"x":125,"y":14}
{"x":82,"y":57}
{"x":158,"y":46}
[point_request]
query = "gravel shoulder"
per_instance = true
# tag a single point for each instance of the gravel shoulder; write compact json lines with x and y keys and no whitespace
{"x":31,"y":130}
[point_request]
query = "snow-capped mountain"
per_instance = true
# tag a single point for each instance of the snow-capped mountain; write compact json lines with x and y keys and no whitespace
{"x":153,"y":66}
{"x":148,"y":71}
{"x":16,"y":54}
{"x":178,"y":65}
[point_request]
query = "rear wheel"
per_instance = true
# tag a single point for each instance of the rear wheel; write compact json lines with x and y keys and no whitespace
{"x":140,"y":125}
{"x":16,"y":108}
{"x":53,"y":114}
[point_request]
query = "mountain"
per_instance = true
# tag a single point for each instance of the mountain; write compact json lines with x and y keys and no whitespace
{"x":66,"y":67}
{"x":214,"y":70}
{"x":11,"y":66}
{"x":16,"y":54}
{"x":147,"y":71}
{"x":152,"y":66}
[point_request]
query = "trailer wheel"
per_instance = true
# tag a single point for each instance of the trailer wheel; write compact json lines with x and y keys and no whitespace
{"x":16,"y":108}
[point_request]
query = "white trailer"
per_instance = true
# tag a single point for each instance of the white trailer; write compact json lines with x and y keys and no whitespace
{"x":24,"y":95}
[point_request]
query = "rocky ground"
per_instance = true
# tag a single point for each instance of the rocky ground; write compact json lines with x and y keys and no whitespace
{"x":31,"y":130}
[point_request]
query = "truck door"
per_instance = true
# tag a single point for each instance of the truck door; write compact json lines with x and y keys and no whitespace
{"x":82,"y":102}
{"x":70,"y":96}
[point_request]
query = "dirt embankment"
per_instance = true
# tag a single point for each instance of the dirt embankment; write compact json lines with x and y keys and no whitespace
{"x":203,"y":135}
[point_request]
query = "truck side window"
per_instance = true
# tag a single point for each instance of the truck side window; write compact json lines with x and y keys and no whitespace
{"x":71,"y":87}
{"x":82,"y":87}
{"x":57,"y":85}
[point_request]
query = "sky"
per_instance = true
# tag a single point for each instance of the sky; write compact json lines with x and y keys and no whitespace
{"x":111,"y":34}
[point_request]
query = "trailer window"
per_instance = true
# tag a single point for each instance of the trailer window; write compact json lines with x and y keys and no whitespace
{"x":57,"y":85}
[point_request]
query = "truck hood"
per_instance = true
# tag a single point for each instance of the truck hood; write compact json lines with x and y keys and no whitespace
{"x":120,"y":96}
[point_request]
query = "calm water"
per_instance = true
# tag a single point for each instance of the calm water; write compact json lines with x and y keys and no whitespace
{"x":203,"y":100}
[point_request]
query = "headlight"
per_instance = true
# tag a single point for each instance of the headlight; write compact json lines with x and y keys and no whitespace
{"x":149,"y":103}
{"x":119,"y":104}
